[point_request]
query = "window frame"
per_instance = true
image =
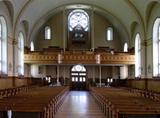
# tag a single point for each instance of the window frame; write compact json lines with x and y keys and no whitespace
{"x":32,"y":46}
{"x":138,"y":55}
{"x":47,"y":31}
{"x":125,"y":47}
{"x":20,"y":53}
{"x":3,"y":47}
{"x":74,"y":12}
{"x":156,"y":47}
{"x":109,"y":34}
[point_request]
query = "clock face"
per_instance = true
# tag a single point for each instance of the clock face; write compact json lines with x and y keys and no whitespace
{"x":78,"y":18}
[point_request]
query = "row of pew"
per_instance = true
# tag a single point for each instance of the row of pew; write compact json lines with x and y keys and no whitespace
{"x":40,"y":102}
{"x":14,"y":91}
{"x":145,"y":93}
{"x":121,"y":103}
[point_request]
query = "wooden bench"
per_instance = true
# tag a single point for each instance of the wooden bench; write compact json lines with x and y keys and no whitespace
{"x":41,"y":102}
{"x":14,"y":91}
{"x":120,"y":103}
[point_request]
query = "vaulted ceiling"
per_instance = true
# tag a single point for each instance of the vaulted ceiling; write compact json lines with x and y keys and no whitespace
{"x":120,"y":12}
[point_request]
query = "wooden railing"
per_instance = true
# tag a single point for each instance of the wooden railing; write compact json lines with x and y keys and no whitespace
{"x":79,"y":57}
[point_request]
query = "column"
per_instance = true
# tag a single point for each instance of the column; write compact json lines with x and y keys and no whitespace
{"x":64,"y":75}
{"x":58,"y":75}
{"x":93,"y":71}
{"x":64,"y":29}
{"x":92,"y":30}
{"x":100,"y":76}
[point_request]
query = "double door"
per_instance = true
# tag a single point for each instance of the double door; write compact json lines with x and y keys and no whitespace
{"x":78,"y":81}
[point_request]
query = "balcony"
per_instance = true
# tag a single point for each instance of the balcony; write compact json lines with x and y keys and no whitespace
{"x":79,"y":57}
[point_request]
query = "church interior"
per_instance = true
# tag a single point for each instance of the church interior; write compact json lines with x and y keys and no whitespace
{"x":79,"y":58}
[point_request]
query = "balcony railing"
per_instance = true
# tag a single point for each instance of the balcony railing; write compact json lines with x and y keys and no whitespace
{"x":79,"y":58}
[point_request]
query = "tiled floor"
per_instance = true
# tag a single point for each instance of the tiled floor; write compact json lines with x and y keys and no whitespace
{"x":79,"y":104}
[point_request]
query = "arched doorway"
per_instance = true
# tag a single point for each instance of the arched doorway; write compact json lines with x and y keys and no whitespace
{"x":78,"y":77}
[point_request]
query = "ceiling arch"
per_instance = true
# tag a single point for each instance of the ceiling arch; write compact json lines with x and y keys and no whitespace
{"x":41,"y":7}
{"x":127,"y":11}
{"x":117,"y":23}
{"x":150,"y":6}
{"x":10,"y":9}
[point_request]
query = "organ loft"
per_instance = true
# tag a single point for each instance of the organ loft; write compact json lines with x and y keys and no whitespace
{"x":78,"y":58}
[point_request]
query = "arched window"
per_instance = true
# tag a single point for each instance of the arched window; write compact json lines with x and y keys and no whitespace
{"x":3,"y":45}
{"x":156,"y":48}
{"x":47,"y":32}
{"x":32,"y":46}
{"x":109,"y":33}
{"x":78,"y":18}
{"x":21,"y":54}
{"x":78,"y":73}
{"x":137,"y":55}
{"x":0,"y":46}
{"x":125,"y":47}
{"x":0,"y":30}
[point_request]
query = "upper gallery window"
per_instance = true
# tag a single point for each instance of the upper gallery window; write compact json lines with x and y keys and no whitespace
{"x":156,"y":48}
{"x":125,"y":47}
{"x":109,"y":33}
{"x":47,"y":32}
{"x":78,"y":18}
{"x":32,"y":46}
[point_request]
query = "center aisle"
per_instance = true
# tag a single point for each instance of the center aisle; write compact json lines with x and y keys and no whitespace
{"x":79,"y":104}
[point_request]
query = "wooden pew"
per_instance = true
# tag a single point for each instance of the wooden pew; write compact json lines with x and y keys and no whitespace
{"x":41,"y":102}
{"x":120,"y":103}
{"x":14,"y":91}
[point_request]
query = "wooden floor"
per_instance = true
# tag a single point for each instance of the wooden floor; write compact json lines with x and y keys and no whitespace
{"x":79,"y":104}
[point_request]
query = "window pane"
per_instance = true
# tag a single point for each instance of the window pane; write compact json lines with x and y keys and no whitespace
{"x":0,"y":46}
{"x":125,"y":47}
{"x":156,"y":49}
{"x":3,"y":44}
{"x":137,"y":56}
{"x":79,"y":68}
{"x":80,"y":79}
{"x":74,"y":73}
{"x":76,"y":79}
{"x":72,"y":79}
{"x":82,"y":73}
{"x":78,"y":17}
{"x":159,"y":31}
{"x":0,"y":30}
{"x":32,"y":46}
{"x":109,"y":34}
{"x":21,"y":54}
{"x":84,"y":79}
{"x":47,"y":32}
